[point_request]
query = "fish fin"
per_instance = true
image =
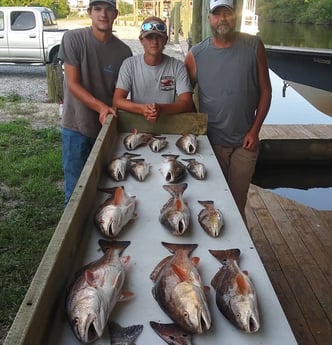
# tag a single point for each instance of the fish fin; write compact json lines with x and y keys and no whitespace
{"x":93,"y":278}
{"x":246,"y":272}
{"x":135,"y":131}
{"x":126,"y":295}
{"x":125,"y":260}
{"x":179,"y":204}
{"x":181,"y":273}
{"x":226,"y":255}
{"x":242,"y":284}
{"x":206,"y":290}
{"x":118,"y":196}
{"x":159,"y":267}
{"x":195,"y":260}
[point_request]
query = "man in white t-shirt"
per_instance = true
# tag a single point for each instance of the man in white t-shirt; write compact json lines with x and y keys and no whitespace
{"x":156,"y":83}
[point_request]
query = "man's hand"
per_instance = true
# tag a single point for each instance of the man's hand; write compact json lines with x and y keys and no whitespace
{"x":151,"y":112}
{"x":104,"y":112}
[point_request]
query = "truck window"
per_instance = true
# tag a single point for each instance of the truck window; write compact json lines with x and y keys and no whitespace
{"x":2,"y":24}
{"x":22,"y":20}
{"x":48,"y":19}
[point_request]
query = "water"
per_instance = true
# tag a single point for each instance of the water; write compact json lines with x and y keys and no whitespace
{"x":294,"y":109}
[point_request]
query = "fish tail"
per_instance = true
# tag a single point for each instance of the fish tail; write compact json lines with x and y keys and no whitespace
{"x":110,"y":190}
{"x":225,"y":255}
{"x":124,"y":335}
{"x":106,"y":245}
{"x":173,"y":247}
{"x":176,"y":189}
{"x":206,"y":203}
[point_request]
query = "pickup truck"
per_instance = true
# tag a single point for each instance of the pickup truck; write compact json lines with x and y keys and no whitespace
{"x":29,"y":35}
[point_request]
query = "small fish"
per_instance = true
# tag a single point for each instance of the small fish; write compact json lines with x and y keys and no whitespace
{"x":235,"y":293}
{"x":124,"y":335}
{"x":172,"y":169}
{"x":156,"y":144}
{"x":210,"y":218}
{"x":136,"y":139}
{"x":187,"y":143}
{"x":171,"y":333}
{"x":175,"y":214}
{"x":115,"y":212}
{"x":118,"y":167}
{"x":195,"y":168}
{"x":139,"y":169}
{"x":94,"y":293}
{"x":179,"y":291}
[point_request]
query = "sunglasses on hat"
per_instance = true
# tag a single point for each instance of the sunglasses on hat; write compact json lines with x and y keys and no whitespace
{"x":154,"y":26}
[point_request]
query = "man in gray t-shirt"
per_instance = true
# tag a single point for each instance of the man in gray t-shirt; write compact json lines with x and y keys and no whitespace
{"x":157,"y":83}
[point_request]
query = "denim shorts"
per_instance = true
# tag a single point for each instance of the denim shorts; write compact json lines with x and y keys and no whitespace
{"x":76,"y":148}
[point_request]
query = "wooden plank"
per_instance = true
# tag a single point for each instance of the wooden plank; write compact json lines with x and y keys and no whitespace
{"x":305,"y":295}
{"x":195,"y":123}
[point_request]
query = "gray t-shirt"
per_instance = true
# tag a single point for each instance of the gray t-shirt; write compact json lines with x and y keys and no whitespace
{"x":228,"y":88}
{"x":153,"y":84}
{"x":99,"y":64}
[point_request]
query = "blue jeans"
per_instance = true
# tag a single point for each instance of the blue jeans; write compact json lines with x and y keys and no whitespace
{"x":75,"y":152}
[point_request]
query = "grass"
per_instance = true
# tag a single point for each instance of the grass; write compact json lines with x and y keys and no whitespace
{"x":13,"y":105}
{"x":31,"y":203}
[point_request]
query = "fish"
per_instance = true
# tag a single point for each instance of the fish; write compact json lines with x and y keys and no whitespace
{"x":175,"y":213}
{"x":171,"y":333}
{"x":118,"y":167}
{"x":157,"y":143}
{"x":115,"y":212}
{"x":179,"y":291}
{"x":124,"y":335}
{"x":139,"y":169}
{"x":136,"y":139}
{"x":196,"y":169}
{"x":210,"y":218}
{"x":96,"y":290}
{"x":236,"y":296}
{"x":187,"y":143}
{"x":172,"y":169}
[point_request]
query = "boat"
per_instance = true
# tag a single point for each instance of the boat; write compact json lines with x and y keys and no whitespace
{"x":307,"y":70}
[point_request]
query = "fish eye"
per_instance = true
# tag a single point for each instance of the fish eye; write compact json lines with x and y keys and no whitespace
{"x":186,"y":314}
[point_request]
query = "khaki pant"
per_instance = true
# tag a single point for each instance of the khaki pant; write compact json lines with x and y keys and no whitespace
{"x":238,"y":166}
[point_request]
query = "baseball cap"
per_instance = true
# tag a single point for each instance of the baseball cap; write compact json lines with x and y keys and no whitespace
{"x":110,"y":2}
{"x":153,"y":25}
{"x":226,"y":3}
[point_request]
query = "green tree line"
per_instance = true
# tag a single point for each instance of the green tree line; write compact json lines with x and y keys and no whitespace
{"x":295,"y":11}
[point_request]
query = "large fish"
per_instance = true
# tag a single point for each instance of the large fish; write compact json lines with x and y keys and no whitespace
{"x":157,"y":143}
{"x":187,"y":143}
{"x":171,"y":333}
{"x":115,"y":212}
{"x":139,"y":169}
{"x":96,"y":290}
{"x":195,"y":168}
{"x":179,"y":291}
{"x":172,"y":169}
{"x":235,"y":293}
{"x":124,"y":335}
{"x":210,"y":218}
{"x":175,"y":213}
{"x":136,"y":139}
{"x":118,"y":167}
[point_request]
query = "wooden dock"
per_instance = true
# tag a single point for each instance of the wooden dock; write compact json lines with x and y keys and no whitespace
{"x":295,"y":245}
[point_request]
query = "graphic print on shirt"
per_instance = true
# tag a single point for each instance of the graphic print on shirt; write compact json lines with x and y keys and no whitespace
{"x":167,"y":83}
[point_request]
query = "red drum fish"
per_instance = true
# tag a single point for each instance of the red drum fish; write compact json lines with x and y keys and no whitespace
{"x":172,"y":169}
{"x":196,"y":169}
{"x":115,"y":212}
{"x":139,"y":169}
{"x":175,"y":214}
{"x":156,"y":144}
{"x":96,"y":290}
{"x":210,"y":218}
{"x":235,"y":293}
{"x":179,"y":290}
{"x":136,"y":139}
{"x":187,"y":143}
{"x":118,"y":167}
{"x":171,"y":333}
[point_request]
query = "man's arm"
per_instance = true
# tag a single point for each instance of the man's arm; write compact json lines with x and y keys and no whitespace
{"x":73,"y":79}
{"x":251,"y":140}
{"x":190,"y":64}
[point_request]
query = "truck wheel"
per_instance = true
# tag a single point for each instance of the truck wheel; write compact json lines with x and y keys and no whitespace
{"x":54,"y":57}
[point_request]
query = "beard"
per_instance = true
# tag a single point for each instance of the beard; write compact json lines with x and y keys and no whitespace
{"x":222,"y":30}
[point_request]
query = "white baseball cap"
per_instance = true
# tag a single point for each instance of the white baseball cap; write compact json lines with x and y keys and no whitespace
{"x":217,"y":3}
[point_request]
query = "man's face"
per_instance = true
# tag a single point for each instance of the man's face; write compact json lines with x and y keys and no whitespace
{"x":222,"y":21}
{"x":154,"y":44}
{"x":102,"y":16}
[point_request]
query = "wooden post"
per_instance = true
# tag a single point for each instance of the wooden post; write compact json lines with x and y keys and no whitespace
{"x":176,"y":21}
{"x":54,"y":75}
{"x":196,"y":27}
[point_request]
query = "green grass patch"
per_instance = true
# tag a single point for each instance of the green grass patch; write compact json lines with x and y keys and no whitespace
{"x":13,"y":104}
{"x":31,"y":203}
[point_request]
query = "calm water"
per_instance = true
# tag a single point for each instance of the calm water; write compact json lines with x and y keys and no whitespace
{"x":294,"y":109}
